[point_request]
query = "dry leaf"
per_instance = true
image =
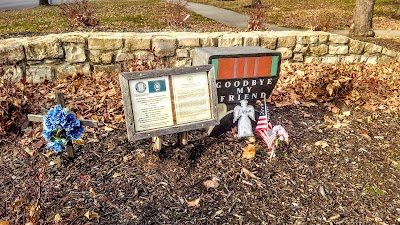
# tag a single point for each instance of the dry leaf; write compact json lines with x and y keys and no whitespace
{"x":346,"y":113}
{"x":91,"y":215}
{"x":339,"y":124}
{"x":213,"y":183}
{"x":108,"y":129}
{"x":116,"y":175}
{"x":194,"y":203}
{"x":57,"y":218}
{"x":251,"y":139}
{"x":30,"y":151}
{"x":56,"y":162}
{"x":322,"y":144}
{"x":4,"y":222}
{"x":248,"y":173}
{"x":78,"y":142}
{"x":249,"y":152}
{"x":91,"y":190}
{"x":94,"y":140}
{"x":364,"y":133}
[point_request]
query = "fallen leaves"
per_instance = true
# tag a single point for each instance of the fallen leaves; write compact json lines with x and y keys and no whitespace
{"x":322,"y":144}
{"x":212,"y":183}
{"x":372,"y":86}
{"x":248,"y":173}
{"x":57,"y":218}
{"x":4,"y":222}
{"x":90,"y":215}
{"x":249,"y":152}
{"x":193,"y":203}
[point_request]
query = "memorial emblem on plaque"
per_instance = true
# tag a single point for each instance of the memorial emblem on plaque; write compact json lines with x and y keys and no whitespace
{"x":242,"y":73}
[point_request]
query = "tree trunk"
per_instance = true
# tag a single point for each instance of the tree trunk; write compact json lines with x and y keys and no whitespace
{"x":44,"y":2}
{"x":255,"y":3}
{"x":362,"y":19}
{"x":397,"y":14}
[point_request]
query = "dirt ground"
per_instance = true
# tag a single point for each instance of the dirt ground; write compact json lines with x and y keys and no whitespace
{"x":352,"y":177}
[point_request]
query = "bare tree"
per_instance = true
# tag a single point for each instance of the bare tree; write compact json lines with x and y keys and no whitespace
{"x":362,"y":19}
{"x":44,"y":2}
{"x":255,"y":3}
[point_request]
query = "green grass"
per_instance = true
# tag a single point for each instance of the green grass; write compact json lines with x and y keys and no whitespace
{"x":129,"y":15}
{"x":373,"y":190}
{"x":336,"y":14}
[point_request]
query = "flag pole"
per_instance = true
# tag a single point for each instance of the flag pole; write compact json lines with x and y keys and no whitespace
{"x":265,"y":108}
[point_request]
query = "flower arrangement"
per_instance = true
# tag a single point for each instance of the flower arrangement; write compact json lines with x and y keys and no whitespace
{"x":60,"y":127}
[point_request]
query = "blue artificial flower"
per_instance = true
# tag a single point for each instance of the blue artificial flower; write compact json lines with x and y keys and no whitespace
{"x":59,"y":127}
{"x":76,"y":133}
{"x":57,"y":145}
{"x":48,"y":123}
{"x":47,"y":134}
{"x":70,"y":122}
{"x":58,"y":115}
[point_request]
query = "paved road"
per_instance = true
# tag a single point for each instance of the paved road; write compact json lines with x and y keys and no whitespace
{"x":22,"y":4}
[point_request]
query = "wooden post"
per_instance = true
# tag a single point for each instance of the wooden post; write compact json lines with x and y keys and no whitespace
{"x":183,"y":138}
{"x":60,"y":100}
{"x":156,"y":144}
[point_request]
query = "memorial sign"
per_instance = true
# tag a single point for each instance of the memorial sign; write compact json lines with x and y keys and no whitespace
{"x":245,"y":73}
{"x":166,"y":101}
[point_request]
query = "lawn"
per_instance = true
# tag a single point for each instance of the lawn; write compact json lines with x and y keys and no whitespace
{"x":126,"y":15}
{"x":332,"y":14}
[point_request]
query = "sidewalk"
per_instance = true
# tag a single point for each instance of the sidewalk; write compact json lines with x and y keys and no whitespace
{"x":238,"y":20}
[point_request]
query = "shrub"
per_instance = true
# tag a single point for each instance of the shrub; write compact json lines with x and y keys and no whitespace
{"x":13,"y":103}
{"x":176,"y":13}
{"x":79,"y":14}
{"x":257,"y":18}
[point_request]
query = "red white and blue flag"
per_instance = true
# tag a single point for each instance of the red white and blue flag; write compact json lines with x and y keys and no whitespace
{"x":263,"y":126}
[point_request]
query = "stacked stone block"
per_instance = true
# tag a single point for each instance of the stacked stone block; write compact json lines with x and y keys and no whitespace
{"x":57,"y":56}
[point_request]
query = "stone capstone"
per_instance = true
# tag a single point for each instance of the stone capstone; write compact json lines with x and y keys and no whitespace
{"x":251,"y":40}
{"x":75,"y":53}
{"x":137,"y":43}
{"x":105,"y":43}
{"x":268,"y":42}
{"x":286,"y":42}
{"x":209,"y":41}
{"x":124,"y":56}
{"x":47,"y":48}
{"x":338,"y":39}
{"x":164,"y":46}
{"x":188,"y":42}
{"x":230,"y":40}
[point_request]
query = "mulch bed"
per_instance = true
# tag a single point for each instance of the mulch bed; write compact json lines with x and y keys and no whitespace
{"x":352,"y":180}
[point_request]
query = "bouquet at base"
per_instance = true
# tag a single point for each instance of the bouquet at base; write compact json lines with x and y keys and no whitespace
{"x":60,"y":127}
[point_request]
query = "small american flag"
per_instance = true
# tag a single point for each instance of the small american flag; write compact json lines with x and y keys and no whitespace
{"x":263,"y":126}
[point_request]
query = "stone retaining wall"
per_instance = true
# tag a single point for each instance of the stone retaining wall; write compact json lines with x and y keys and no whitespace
{"x":60,"y":55}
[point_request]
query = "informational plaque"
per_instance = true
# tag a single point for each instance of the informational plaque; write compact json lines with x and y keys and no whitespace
{"x":191,"y":94}
{"x":151,"y":100}
{"x":158,"y":102}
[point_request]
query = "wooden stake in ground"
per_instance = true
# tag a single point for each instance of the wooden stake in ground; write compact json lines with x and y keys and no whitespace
{"x":183,"y":139}
{"x":156,"y":143}
{"x":60,"y":100}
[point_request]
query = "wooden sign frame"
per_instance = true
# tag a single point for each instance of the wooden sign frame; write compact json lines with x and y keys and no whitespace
{"x":146,"y":76}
